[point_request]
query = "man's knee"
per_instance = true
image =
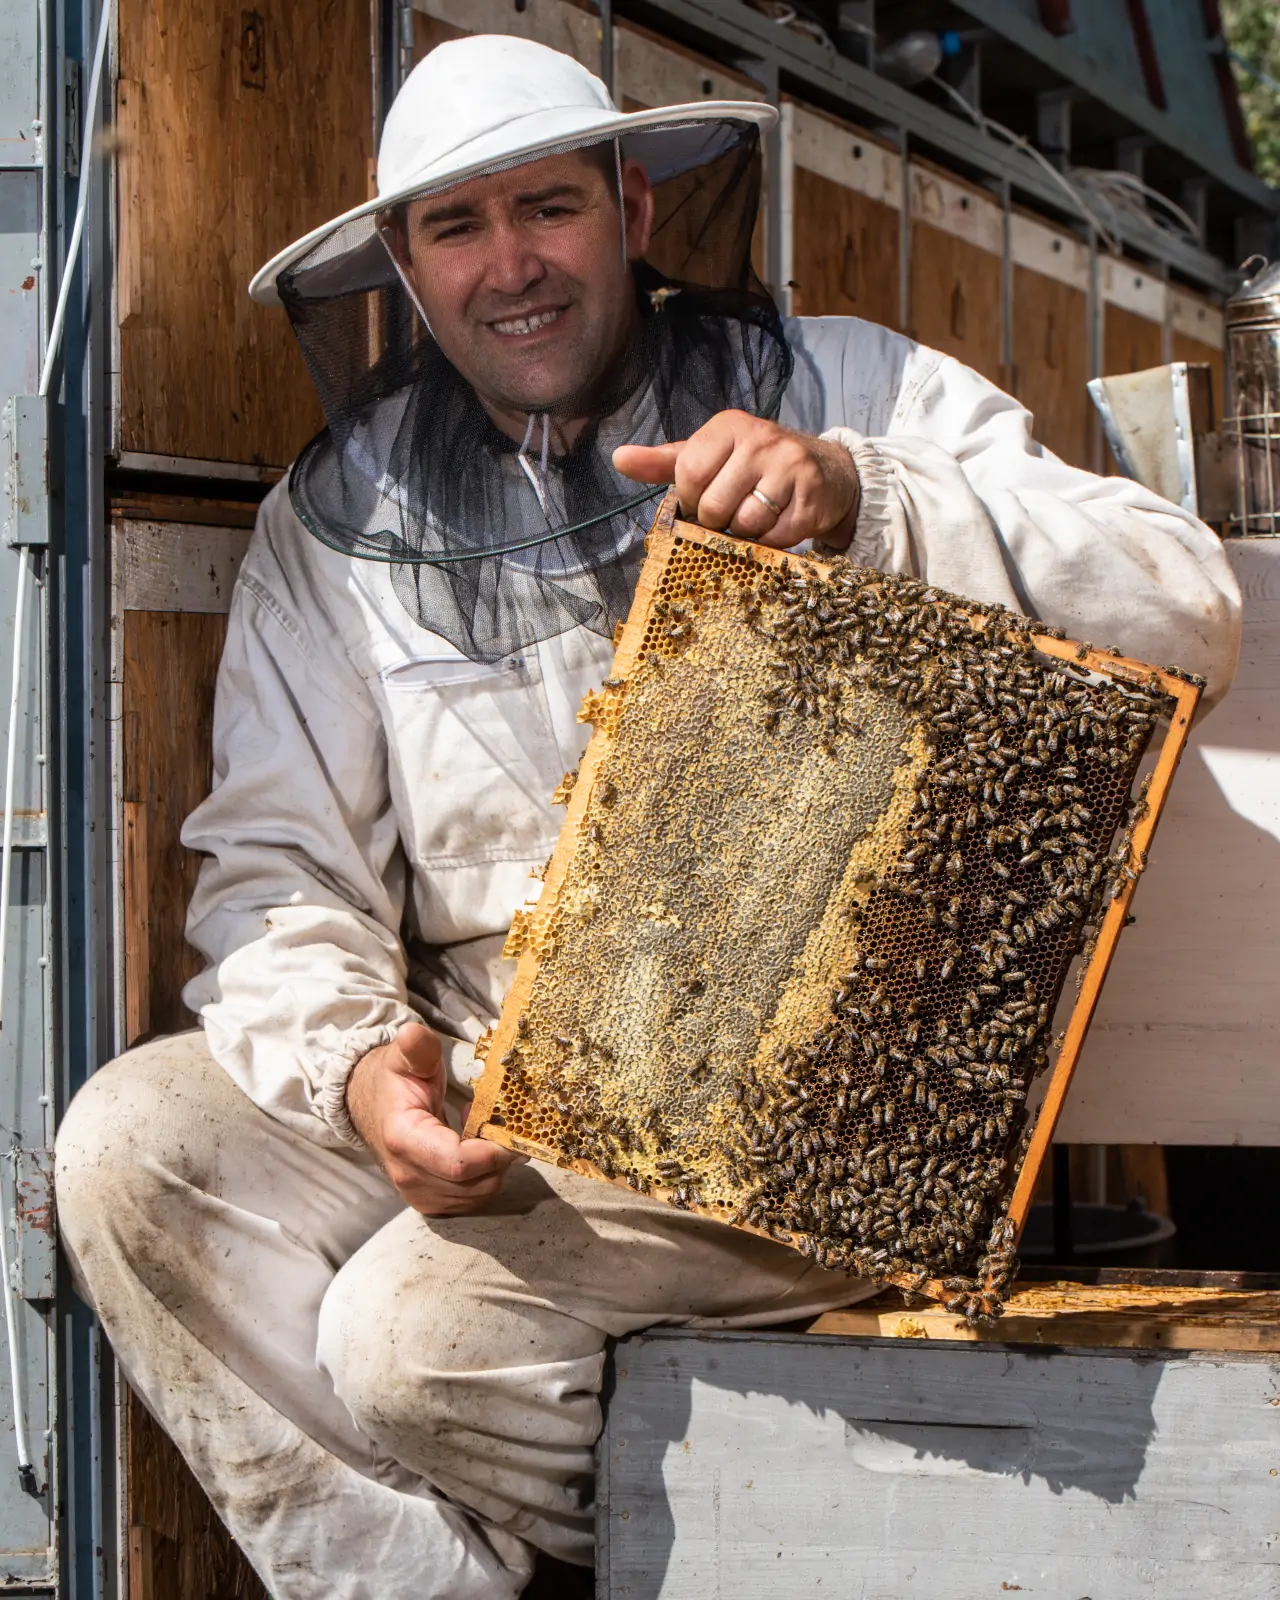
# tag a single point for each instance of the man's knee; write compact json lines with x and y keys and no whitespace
{"x":116,"y":1150}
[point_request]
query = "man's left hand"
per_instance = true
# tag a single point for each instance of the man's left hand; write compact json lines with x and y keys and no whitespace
{"x":813,"y":482}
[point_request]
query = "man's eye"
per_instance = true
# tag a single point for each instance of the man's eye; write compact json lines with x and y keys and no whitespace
{"x":455,"y":232}
{"x":553,"y":211}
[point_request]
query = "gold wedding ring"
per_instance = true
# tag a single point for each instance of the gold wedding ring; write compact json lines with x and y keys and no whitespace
{"x":764,"y":500}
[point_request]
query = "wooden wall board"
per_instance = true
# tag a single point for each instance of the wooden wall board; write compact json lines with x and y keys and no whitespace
{"x":1188,"y":349}
{"x":561,"y":24}
{"x":172,"y":586}
{"x":955,"y":300}
{"x":845,"y":252}
{"x":239,"y":131}
{"x":1185,"y":1048}
{"x":1051,"y":362}
{"x":1072,"y":1315}
{"x":1130,"y":341}
{"x":170,"y":666}
{"x":765,"y":1467}
{"x":178,"y":1548}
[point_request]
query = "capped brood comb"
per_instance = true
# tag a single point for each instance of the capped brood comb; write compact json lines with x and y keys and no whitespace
{"x":834,"y":844}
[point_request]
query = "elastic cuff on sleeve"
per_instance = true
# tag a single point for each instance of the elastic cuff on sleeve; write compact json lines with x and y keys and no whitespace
{"x":871,"y":532}
{"x":331,"y":1101}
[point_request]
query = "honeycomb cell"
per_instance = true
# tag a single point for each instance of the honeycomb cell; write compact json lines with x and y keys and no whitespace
{"x":834,"y":846}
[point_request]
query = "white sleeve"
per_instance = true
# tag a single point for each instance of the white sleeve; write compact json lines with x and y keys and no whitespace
{"x":298,"y":904}
{"x":959,"y":493}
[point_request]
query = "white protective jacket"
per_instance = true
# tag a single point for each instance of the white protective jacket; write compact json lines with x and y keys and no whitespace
{"x":371,"y":782}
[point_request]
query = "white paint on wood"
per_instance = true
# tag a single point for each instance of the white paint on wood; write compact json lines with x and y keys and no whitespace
{"x":176,"y":566}
{"x":956,"y":209}
{"x":655,"y":74}
{"x":764,"y":1468}
{"x":1185,"y":1047}
{"x":551,"y":22}
{"x":846,"y":156}
{"x":1049,"y":251}
{"x":1196,"y":318}
{"x":1128,"y":286}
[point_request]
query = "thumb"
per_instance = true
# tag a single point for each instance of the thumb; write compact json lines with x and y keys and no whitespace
{"x":415,"y":1053}
{"x":648,"y":463}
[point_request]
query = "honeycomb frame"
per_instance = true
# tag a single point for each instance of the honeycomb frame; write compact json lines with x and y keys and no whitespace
{"x":571,"y":1111}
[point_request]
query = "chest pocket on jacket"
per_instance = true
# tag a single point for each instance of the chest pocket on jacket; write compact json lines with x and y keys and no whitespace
{"x":473,"y":760}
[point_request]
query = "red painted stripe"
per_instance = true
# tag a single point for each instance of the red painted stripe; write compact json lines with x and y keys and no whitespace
{"x":1227,"y":88}
{"x":1145,"y":41}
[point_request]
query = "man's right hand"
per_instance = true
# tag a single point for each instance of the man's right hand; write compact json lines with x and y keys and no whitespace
{"x":395,"y":1098}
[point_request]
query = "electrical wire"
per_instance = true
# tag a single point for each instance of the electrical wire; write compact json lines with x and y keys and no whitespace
{"x":998,"y":130}
{"x":26,"y":1469}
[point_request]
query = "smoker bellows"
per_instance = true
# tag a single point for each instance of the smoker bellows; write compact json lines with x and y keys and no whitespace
{"x":834,"y":844}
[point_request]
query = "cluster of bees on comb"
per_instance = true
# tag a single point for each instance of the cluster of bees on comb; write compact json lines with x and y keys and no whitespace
{"x":885,"y":1140}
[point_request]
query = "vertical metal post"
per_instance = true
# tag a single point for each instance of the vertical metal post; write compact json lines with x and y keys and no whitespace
{"x":605,"y":8}
{"x":1096,"y":360}
{"x":904,"y":235}
{"x":1006,"y":287}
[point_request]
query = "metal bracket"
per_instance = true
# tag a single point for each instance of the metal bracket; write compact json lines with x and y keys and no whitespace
{"x":35,"y":1261}
{"x":24,"y":438}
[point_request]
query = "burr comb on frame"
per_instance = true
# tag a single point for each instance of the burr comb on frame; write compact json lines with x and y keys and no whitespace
{"x":834,"y":844}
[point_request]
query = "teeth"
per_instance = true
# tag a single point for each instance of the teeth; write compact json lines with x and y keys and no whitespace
{"x":527,"y":324}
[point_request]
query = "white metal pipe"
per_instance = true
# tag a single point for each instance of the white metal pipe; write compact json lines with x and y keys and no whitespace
{"x":10,"y":766}
{"x":82,"y":201}
{"x":25,"y":1469}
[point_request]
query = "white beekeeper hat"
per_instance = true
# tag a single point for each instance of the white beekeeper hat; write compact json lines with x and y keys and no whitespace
{"x":489,"y":102}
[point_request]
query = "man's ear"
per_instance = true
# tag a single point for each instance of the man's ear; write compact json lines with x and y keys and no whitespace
{"x":637,"y":203}
{"x":391,"y":225}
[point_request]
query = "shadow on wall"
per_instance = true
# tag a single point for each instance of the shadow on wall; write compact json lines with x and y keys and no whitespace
{"x":875,"y":1458}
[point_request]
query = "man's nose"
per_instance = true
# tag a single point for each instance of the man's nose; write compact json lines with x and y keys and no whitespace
{"x":514,"y":266}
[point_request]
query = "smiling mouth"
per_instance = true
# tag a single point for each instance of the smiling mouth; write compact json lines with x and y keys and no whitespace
{"x":518,"y":325}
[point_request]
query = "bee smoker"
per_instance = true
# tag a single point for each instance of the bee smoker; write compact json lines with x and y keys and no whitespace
{"x":1252,"y":423}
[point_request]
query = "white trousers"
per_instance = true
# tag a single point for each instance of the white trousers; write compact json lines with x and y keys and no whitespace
{"x":380,"y":1405}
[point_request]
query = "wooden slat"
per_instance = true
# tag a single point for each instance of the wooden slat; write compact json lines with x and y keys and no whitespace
{"x":170,"y":662}
{"x":1051,"y":362}
{"x":229,"y":156}
{"x":845,"y":252}
{"x":955,"y":298}
{"x":1131,"y":342}
{"x":137,"y":931}
{"x":178,"y":1549}
{"x":168,"y":566}
{"x":1071,"y":1314}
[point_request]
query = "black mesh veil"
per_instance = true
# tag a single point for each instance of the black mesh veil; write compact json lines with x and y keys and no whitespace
{"x":491,"y":546}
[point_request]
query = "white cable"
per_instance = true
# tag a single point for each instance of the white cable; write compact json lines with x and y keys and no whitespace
{"x":82,"y":201}
{"x":26,"y":1471}
{"x":998,"y":130}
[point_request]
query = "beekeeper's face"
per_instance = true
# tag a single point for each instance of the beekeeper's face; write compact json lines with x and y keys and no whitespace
{"x":522,"y":277}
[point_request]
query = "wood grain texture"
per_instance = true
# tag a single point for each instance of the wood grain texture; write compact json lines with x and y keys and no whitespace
{"x":170,"y":666}
{"x":178,"y":1549}
{"x":764,"y":1467}
{"x":845,"y":252}
{"x":1130,"y":342}
{"x":1051,"y":362}
{"x":227,"y":157}
{"x":1072,"y":1315}
{"x":1185,"y":349}
{"x":955,"y":298}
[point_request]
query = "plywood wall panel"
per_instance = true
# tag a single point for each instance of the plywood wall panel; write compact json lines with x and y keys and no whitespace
{"x":1130,"y":342}
{"x":170,"y":666}
{"x":1051,"y":362}
{"x":955,"y":298}
{"x":1185,"y":349}
{"x":844,"y":252}
{"x":242,"y":129}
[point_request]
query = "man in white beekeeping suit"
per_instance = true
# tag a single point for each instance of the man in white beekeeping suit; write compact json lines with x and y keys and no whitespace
{"x":379,"y":1346}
